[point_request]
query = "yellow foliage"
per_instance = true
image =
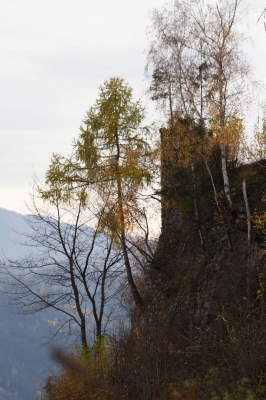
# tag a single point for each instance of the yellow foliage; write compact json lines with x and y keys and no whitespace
{"x":180,"y":144}
{"x":259,"y":219}
{"x":231,"y":134}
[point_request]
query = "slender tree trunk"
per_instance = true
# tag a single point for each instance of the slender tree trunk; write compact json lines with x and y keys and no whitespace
{"x":244,"y":187}
{"x":98,"y":321}
{"x":130,"y":279}
{"x":222,"y":108}
{"x":195,"y":203}
{"x":78,"y":307}
{"x":100,"y":318}
{"x":83,"y":332}
{"x":131,"y":282}
{"x":216,"y":198}
{"x":98,"y":328}
{"x":225,"y":176}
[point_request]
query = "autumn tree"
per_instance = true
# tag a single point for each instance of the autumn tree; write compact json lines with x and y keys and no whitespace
{"x":110,"y":159}
{"x":198,"y":70}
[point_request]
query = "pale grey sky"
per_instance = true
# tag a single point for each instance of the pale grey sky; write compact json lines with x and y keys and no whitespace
{"x":54,"y":56}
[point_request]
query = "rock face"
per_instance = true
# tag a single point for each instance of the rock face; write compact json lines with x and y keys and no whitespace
{"x":206,"y":243}
{"x":211,"y":274}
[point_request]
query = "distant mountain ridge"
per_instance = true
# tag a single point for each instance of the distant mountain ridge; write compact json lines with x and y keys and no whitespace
{"x":11,"y":224}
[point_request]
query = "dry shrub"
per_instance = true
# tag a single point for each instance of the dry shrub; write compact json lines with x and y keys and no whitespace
{"x":86,"y":374}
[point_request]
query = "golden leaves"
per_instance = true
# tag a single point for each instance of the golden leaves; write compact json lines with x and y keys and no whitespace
{"x":180,"y":144}
{"x":230,"y":133}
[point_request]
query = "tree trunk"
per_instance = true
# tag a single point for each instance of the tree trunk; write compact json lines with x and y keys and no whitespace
{"x":195,"y":203}
{"x":130,"y":279}
{"x":78,"y":307}
{"x":225,"y":176}
{"x":131,"y":282}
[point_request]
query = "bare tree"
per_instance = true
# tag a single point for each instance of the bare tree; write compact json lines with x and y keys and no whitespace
{"x":71,"y":267}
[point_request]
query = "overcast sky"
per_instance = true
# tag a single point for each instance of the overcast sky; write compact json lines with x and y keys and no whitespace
{"x":54,"y":56}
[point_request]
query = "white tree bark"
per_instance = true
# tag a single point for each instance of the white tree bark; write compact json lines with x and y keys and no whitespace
{"x":225,"y":176}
